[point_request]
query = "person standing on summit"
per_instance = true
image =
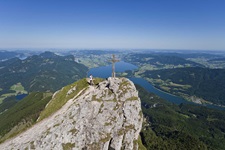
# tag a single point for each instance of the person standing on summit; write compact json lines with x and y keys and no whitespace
{"x":91,"y":79}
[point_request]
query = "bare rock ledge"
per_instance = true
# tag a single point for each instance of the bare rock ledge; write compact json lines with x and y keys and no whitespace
{"x":103,"y":117}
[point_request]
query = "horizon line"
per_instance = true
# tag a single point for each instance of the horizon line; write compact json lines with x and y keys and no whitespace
{"x":106,"y":49}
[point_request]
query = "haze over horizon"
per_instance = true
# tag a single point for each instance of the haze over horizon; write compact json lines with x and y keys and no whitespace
{"x":162,"y":24}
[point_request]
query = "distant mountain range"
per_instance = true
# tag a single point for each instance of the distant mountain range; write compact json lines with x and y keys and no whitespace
{"x":22,"y":54}
{"x":217,"y":59}
{"x":159,"y":60}
{"x":5,"y":55}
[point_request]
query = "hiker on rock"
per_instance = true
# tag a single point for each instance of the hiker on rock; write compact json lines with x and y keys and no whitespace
{"x":91,"y":80}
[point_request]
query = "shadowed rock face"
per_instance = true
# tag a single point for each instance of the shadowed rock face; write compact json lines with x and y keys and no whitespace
{"x":106,"y":116}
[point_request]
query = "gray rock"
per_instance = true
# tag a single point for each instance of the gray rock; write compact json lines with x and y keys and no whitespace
{"x":103,"y":117}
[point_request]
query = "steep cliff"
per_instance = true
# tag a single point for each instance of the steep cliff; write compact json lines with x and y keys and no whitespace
{"x":105,"y":116}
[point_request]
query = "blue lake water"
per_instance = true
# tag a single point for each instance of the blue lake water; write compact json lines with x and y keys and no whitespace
{"x":20,"y":96}
{"x":146,"y":85}
{"x":106,"y":71}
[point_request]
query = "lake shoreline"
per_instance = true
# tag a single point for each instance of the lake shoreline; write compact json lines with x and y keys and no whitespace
{"x":121,"y":67}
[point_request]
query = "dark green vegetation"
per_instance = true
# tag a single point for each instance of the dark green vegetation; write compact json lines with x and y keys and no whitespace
{"x":43,"y":72}
{"x":7,"y":103}
{"x":8,"y":62}
{"x":62,"y":96}
{"x":22,"y":115}
{"x":180,"y":127}
{"x":205,"y":83}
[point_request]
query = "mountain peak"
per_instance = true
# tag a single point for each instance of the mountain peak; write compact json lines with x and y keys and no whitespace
{"x":48,"y":54}
{"x":105,"y":116}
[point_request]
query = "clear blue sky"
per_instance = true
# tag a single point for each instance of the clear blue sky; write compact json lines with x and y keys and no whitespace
{"x":127,"y":24}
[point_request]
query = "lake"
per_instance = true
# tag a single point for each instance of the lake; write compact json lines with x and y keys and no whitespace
{"x":146,"y":85}
{"x":106,"y":71}
{"x":20,"y":96}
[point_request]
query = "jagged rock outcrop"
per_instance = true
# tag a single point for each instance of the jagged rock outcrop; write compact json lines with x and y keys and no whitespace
{"x":107,"y":116}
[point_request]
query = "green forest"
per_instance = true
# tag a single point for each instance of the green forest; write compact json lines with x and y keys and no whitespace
{"x":44,"y":72}
{"x":22,"y":114}
{"x":179,"y":127}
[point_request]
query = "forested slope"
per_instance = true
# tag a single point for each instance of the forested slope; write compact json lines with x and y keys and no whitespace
{"x":184,"y":126}
{"x":205,"y":83}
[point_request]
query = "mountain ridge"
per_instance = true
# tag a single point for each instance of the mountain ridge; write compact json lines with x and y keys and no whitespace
{"x":41,"y":72}
{"x":105,"y":116}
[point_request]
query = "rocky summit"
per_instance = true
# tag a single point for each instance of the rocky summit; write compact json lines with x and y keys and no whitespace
{"x":106,"y":116}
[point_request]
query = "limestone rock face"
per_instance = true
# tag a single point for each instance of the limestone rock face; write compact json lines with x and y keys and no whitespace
{"x":107,"y":116}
